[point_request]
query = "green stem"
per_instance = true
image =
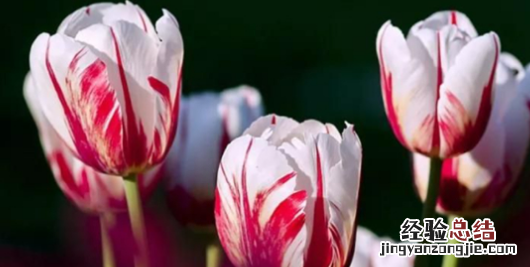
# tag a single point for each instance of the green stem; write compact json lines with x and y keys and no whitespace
{"x":429,"y":206}
{"x":134,"y":204}
{"x":450,"y":260}
{"x":214,"y":254}
{"x":106,"y":220}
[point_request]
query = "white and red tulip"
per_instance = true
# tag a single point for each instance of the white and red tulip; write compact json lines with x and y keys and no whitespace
{"x":287,"y":194}
{"x":438,"y":83}
{"x":367,"y":249}
{"x":109,"y":84}
{"x":89,"y":189}
{"x":476,"y":182}
{"x":207,"y":123}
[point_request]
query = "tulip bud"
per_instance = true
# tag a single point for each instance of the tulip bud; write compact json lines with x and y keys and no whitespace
{"x":90,"y":190}
{"x":478,"y":181}
{"x":207,"y":123}
{"x":368,"y":248}
{"x":287,"y":194}
{"x":109,"y":84}
{"x":438,"y":83}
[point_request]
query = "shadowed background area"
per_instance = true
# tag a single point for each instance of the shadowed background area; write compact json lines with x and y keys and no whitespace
{"x":310,"y":59}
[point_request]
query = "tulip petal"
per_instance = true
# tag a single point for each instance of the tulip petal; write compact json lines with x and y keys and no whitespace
{"x":268,"y":209}
{"x":272,"y":127}
{"x":462,"y":118}
{"x":313,"y":127}
{"x":51,"y":104}
{"x":407,"y":73}
{"x":508,"y":75}
{"x":242,"y":105}
{"x":367,"y":249}
{"x":166,"y":79}
{"x":130,"y":56}
{"x":421,"y":168}
{"x":131,"y":13}
{"x":207,"y":123}
{"x":343,"y":189}
{"x":76,"y":97}
{"x":443,"y":18}
{"x":198,"y":148}
{"x":83,"y":18}
{"x":329,"y":167}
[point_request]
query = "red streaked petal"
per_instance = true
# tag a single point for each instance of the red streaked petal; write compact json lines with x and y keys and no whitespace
{"x":275,"y":128}
{"x":408,"y":85}
{"x":463,"y":119}
{"x":319,"y":252}
{"x":269,"y":213}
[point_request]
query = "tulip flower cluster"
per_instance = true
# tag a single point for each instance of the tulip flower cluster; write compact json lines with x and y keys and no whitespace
{"x":105,"y":93}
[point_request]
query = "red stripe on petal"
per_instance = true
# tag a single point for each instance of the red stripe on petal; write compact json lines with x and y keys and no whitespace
{"x":262,"y":196}
{"x":233,"y":192}
{"x":66,"y":176}
{"x":171,"y":128}
{"x":273,"y":119}
{"x":249,"y":240}
{"x":452,"y":193}
{"x":319,"y":251}
{"x":79,"y":138}
{"x":281,"y":229}
{"x":435,"y":145}
{"x":84,"y":185}
{"x":162,"y":89}
{"x":462,"y":140}
{"x":250,"y":232}
{"x":337,"y":244}
{"x":499,"y":188}
{"x":486,"y":101}
{"x":453,"y":18}
{"x":142,"y":19}
{"x":98,"y":108}
{"x":135,"y":140}
{"x":386,"y":87}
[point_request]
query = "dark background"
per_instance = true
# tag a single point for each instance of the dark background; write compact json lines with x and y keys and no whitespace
{"x":309,"y":58}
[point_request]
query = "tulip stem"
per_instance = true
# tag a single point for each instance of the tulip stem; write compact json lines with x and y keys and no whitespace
{"x":214,"y":254}
{"x":106,"y":220}
{"x":134,"y":204}
{"x":450,"y":260}
{"x":429,"y":206}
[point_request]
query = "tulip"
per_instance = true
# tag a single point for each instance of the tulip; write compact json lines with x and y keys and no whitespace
{"x":208,"y":122}
{"x":287,"y":194}
{"x":91,"y":191}
{"x":438,"y":83}
{"x":367,"y":252}
{"x":481,"y":180}
{"x":109,"y":84}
